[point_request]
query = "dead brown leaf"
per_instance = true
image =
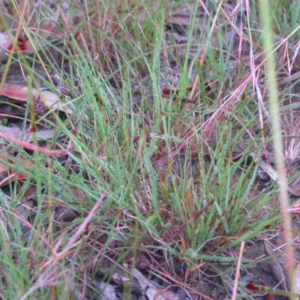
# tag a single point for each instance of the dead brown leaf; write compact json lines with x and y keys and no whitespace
{"x":22,"y":93}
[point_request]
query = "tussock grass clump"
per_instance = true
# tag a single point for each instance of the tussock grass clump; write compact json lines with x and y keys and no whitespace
{"x":168,"y":140}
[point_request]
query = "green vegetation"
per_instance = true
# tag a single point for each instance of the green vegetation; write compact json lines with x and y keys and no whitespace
{"x":163,"y":174}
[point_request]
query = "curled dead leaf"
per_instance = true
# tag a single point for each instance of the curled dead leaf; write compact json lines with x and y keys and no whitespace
{"x":17,"y":92}
{"x":22,"y":93}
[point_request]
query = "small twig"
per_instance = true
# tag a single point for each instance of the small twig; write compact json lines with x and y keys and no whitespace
{"x":237,"y":273}
{"x":28,"y":146}
{"x":74,"y":239}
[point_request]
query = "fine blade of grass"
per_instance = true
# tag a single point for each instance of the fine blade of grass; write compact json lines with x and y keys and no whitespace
{"x":274,"y":107}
